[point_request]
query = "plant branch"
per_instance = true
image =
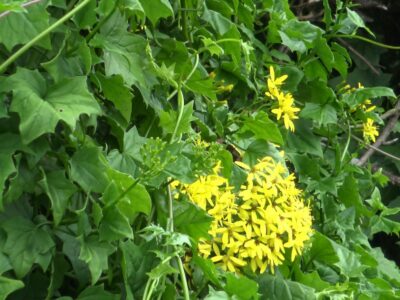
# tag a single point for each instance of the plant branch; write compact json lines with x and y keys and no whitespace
{"x":362,"y":57}
{"x":25,"y":5}
{"x":41,"y":35}
{"x":350,"y":36}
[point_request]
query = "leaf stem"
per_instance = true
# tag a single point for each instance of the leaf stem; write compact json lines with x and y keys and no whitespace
{"x":41,"y":35}
{"x":350,"y":36}
{"x":183,"y":278}
{"x":347,"y":144}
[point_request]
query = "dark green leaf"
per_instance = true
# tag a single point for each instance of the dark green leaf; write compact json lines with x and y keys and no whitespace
{"x":88,"y":169}
{"x":97,"y":293}
{"x":241,"y":286}
{"x":26,"y":244}
{"x":263,"y":128}
{"x":95,"y":254}
{"x":157,"y":9}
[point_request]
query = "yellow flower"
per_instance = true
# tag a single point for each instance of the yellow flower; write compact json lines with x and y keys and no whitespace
{"x":370,"y":131}
{"x":274,"y":83}
{"x":258,"y":224}
{"x":286,"y":110}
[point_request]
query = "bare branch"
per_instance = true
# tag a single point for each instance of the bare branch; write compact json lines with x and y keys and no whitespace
{"x":373,"y":69}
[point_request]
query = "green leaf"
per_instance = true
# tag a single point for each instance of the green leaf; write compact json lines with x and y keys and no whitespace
{"x":360,"y":95}
{"x":157,"y":9}
{"x":161,"y":270}
{"x":7,"y":168}
{"x":124,"y":54}
{"x":59,"y":190}
{"x":322,"y":114}
{"x":217,"y":21}
{"x":259,"y":149}
{"x":241,"y":286}
{"x":26,"y":244}
{"x":191,"y":220}
{"x":169,"y":119}
{"x":262,"y":128}
{"x":88,"y":169}
{"x":303,"y":140}
{"x":275,"y":287}
{"x":130,"y":196}
{"x":115,"y":90}
{"x":97,"y":293}
{"x":85,"y":18}
{"x":217,"y":295}
{"x":114,"y":225}
{"x":325,"y":53}
{"x":8,"y":285}
{"x":40,"y":106}
{"x":25,"y":26}
{"x":95,"y":254}
{"x":349,"y":195}
{"x":299,"y":35}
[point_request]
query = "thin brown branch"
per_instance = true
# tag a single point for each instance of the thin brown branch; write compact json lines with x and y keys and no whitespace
{"x":362,"y":57}
{"x":390,"y":113}
{"x":7,"y":12}
{"x":381,"y":139}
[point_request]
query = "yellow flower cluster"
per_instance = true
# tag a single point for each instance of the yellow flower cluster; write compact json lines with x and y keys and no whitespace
{"x":285,"y":103}
{"x":255,"y":226}
{"x":370,"y":130}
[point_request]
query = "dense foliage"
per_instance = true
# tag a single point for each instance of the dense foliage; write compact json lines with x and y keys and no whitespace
{"x":216,"y":149}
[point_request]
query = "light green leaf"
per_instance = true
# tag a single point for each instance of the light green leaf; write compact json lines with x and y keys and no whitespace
{"x":157,"y":9}
{"x":24,"y":26}
{"x":26,"y":244}
{"x":59,"y":189}
{"x":360,"y":95}
{"x":299,"y":35}
{"x":241,"y":286}
{"x":322,"y":114}
{"x":97,"y":293}
{"x":277,"y":288}
{"x":262,"y":128}
{"x":41,"y":107}
{"x":130,"y":196}
{"x":217,"y":21}
{"x":191,"y":220}
{"x":8,"y":285}
{"x":95,"y":254}
{"x":114,"y":225}
{"x":88,"y":169}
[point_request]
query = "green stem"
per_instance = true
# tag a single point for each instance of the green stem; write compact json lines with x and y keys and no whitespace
{"x":183,"y":278}
{"x":41,"y":35}
{"x":350,"y":36}
{"x":347,"y":145}
{"x":181,"y":106}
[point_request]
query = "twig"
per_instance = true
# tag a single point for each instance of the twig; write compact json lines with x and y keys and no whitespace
{"x":373,"y":69}
{"x":381,"y":139}
{"x":357,"y":162}
{"x":390,"y":113}
{"x":7,"y":12}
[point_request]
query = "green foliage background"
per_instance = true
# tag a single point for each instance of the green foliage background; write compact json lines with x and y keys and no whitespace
{"x":100,"y":113}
